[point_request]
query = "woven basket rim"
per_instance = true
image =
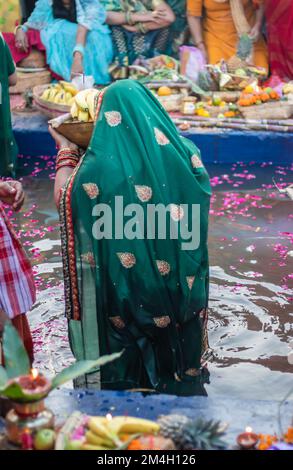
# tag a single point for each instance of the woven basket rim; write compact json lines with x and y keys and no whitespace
{"x":38,"y":90}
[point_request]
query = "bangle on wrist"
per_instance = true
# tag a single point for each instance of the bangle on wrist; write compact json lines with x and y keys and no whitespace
{"x":79,"y":48}
{"x":128,"y":18}
{"x":141,"y":28}
{"x":23,"y":27}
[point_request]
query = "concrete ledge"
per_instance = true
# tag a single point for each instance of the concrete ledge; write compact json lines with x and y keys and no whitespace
{"x":226,"y":146}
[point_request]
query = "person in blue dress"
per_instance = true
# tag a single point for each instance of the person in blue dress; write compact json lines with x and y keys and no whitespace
{"x":75,"y":37}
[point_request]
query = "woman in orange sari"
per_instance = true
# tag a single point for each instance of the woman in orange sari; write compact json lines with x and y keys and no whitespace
{"x":215,"y":26}
{"x":279,"y":17}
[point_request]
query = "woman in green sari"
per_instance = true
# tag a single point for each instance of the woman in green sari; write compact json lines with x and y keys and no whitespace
{"x":7,"y":142}
{"x":132,"y":291}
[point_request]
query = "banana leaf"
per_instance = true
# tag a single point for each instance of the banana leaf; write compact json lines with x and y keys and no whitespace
{"x":16,"y":358}
{"x":81,"y":368}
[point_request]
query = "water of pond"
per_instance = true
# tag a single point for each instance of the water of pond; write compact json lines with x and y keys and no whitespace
{"x":251,"y":288}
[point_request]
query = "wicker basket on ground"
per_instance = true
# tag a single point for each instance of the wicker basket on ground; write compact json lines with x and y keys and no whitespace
{"x":36,"y":59}
{"x":275,"y":110}
{"x":171,"y":102}
{"x":227,"y":96}
{"x":51,"y":110}
{"x":28,"y":80}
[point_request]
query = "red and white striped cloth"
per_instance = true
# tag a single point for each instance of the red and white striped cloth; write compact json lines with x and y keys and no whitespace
{"x":17,"y":287}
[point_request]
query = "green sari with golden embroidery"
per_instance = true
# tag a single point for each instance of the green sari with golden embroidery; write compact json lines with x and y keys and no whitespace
{"x":145,"y":295}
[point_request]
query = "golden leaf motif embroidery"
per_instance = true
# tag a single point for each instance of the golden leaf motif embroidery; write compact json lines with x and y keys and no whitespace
{"x":118,"y":322}
{"x":160,"y":137}
{"x":192,"y":372}
{"x":163,"y":267}
{"x":144,"y":193}
{"x":91,"y":189}
{"x":196,"y":162}
{"x":162,"y":322}
{"x":176,"y":212}
{"x":113,"y":118}
{"x":190,"y":281}
{"x":88,"y":258}
{"x":127,"y":260}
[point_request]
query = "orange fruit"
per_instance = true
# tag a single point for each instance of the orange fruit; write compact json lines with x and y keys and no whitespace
{"x":164,"y":91}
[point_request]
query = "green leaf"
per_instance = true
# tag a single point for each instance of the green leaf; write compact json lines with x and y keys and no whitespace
{"x":81,"y":368}
{"x":16,"y":358}
{"x":3,"y":378}
{"x":14,"y":392}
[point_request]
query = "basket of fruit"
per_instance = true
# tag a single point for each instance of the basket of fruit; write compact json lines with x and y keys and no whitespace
{"x":263,"y":103}
{"x":77,"y":125}
{"x":55,"y":99}
{"x":170,"y":98}
{"x":170,"y":432}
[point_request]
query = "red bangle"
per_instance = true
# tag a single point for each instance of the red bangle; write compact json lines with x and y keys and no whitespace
{"x":67,"y":157}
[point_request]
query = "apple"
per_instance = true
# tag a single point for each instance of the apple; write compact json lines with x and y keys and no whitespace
{"x":74,"y":444}
{"x":217,"y":100}
{"x":44,"y":439}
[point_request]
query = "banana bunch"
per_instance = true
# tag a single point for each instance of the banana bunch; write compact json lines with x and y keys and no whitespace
{"x":84,"y":105}
{"x":104,"y":434}
{"x":288,"y":88}
{"x":60,"y":93}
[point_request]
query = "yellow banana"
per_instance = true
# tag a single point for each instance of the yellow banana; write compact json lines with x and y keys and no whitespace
{"x":91,"y":101}
{"x":68,"y":87}
{"x":46,"y":94}
{"x":57,"y":86}
{"x":80,"y":99}
{"x":68,"y":97}
{"x":71,"y":101}
{"x":94,"y":439}
{"x":59,"y":97}
{"x":83,"y":116}
{"x":74,"y":110}
{"x":53,"y":93}
{"x":98,"y":427}
{"x":129,"y":425}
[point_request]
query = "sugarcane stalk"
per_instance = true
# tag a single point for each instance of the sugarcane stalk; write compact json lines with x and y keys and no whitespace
{"x":234,"y":125}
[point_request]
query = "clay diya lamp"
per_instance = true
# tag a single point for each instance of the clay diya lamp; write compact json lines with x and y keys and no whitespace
{"x":29,"y":414}
{"x":247,"y":440}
